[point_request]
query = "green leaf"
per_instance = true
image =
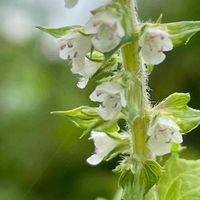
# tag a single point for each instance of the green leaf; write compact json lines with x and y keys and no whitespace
{"x":175,"y":106}
{"x":181,"y":180}
{"x":151,"y":173}
{"x":83,"y":117}
{"x":138,"y":178}
{"x":58,"y":32}
{"x":88,"y":119}
{"x":182,"y":32}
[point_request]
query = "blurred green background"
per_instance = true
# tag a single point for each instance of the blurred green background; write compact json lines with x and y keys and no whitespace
{"x":41,"y":156}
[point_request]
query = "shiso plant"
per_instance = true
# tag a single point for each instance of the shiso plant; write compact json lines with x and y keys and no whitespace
{"x":119,"y":51}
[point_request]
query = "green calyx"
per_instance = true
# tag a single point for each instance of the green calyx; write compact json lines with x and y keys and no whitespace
{"x":175,"y":107}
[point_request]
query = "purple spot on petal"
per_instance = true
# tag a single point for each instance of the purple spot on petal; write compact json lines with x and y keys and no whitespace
{"x":75,"y":54}
{"x":63,"y":46}
{"x":162,"y":37}
{"x":103,"y":106}
{"x":161,"y":49}
{"x":97,"y":36}
{"x":99,"y":93}
{"x":69,"y":58}
{"x":163,"y":129}
{"x":70,"y":45}
{"x":150,"y":47}
{"x":115,"y":106}
{"x":169,"y":141}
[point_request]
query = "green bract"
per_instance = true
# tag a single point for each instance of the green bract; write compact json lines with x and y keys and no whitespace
{"x":58,"y":32}
{"x":151,"y":173}
{"x":181,"y":181}
{"x":175,"y":106}
{"x":180,"y":32}
{"x":87,"y":118}
{"x":135,"y":176}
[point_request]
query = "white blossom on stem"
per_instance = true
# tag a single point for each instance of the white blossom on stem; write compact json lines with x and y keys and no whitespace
{"x":74,"y":46}
{"x":153,"y":43}
{"x":86,"y":71}
{"x":111,"y":95}
{"x":70,"y":3}
{"x":103,"y":146}
{"x":106,"y":29}
{"x":163,"y":134}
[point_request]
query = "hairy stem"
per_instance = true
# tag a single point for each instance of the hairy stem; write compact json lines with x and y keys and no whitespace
{"x":137,"y":90}
{"x":137,"y":96}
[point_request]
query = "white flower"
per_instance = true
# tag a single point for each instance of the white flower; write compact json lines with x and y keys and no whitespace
{"x":70,"y":3}
{"x":112,"y":98}
{"x":103,"y":146}
{"x":86,"y":71}
{"x":107,"y":30}
{"x":153,"y":43}
{"x":74,"y":46}
{"x":162,"y":134}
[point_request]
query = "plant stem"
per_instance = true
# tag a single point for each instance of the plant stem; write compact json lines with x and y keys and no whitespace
{"x":137,"y":97}
{"x":137,"y":92}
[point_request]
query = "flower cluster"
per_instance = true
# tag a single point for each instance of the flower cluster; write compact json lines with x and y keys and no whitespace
{"x":96,"y":50}
{"x":103,"y":33}
{"x":118,"y":51}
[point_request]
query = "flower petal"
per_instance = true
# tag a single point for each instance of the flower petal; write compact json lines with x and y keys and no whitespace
{"x":70,"y":3}
{"x":84,"y":68}
{"x":159,"y":148}
{"x":123,"y":99}
{"x":96,"y":20}
{"x":110,"y":108}
{"x":107,"y":30}
{"x":103,"y":146}
{"x":98,"y":95}
{"x":74,"y":45}
{"x":111,"y":87}
{"x":94,"y":159}
{"x":103,"y":142}
{"x":90,"y":68}
{"x":152,"y":57}
{"x":82,"y":83}
{"x":177,"y":137}
{"x":106,"y":39}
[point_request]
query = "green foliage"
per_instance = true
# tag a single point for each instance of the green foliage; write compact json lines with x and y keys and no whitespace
{"x":138,"y":178}
{"x":175,"y":106}
{"x":58,"y":32}
{"x":182,"y":32}
{"x":87,"y":118}
{"x":151,"y":173}
{"x":83,"y":117}
{"x":181,"y":180}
